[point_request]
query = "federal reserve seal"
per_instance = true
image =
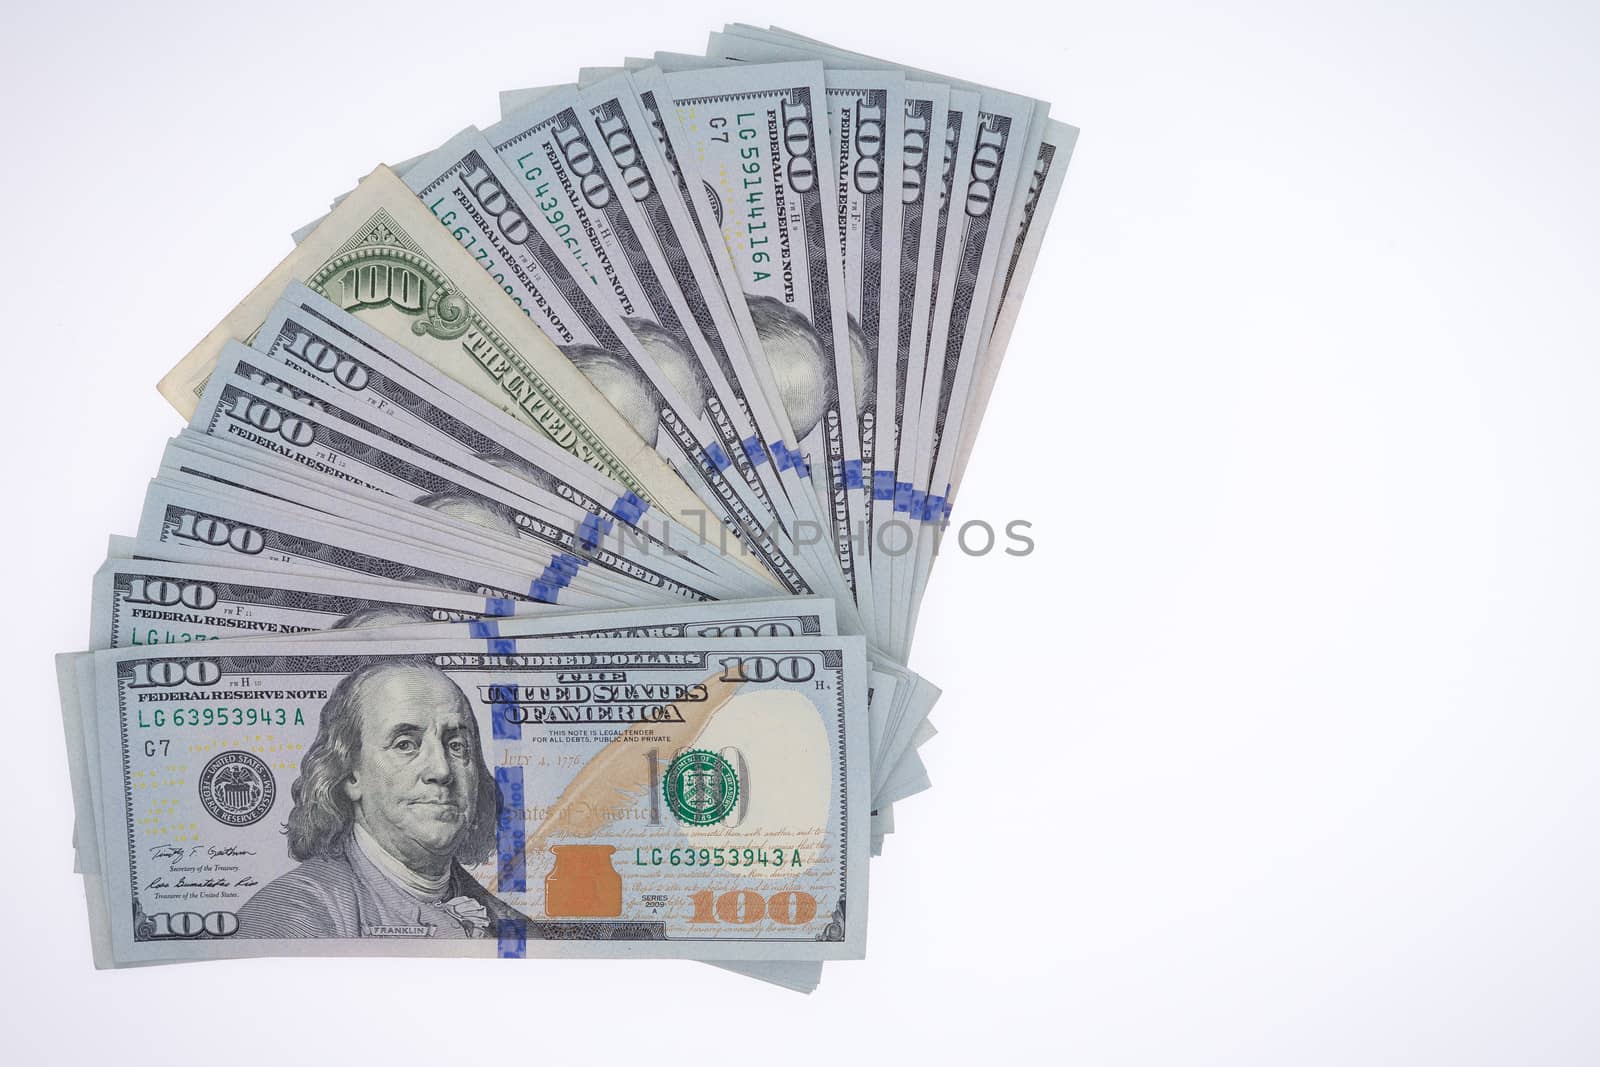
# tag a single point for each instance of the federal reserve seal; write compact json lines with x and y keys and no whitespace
{"x":237,"y":788}
{"x":701,"y":787}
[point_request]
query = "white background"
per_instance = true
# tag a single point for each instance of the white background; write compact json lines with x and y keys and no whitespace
{"x":1281,"y":748}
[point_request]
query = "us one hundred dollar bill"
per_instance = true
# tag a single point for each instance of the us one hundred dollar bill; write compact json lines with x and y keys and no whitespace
{"x":654,"y":798}
{"x":151,"y":602}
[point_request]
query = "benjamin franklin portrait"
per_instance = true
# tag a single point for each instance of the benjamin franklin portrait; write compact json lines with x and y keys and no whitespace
{"x":472,"y":509}
{"x":393,"y":798}
{"x":378,"y":615}
{"x":629,"y":389}
{"x":799,"y":368}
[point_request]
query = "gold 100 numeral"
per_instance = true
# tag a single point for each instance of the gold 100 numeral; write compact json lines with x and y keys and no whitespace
{"x":742,"y":906}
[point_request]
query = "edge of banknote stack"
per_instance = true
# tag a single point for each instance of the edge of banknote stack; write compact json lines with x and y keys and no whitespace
{"x":537,"y":572}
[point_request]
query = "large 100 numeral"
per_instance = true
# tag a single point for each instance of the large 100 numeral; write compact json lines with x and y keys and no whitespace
{"x":346,"y":370}
{"x":745,"y":629}
{"x":581,"y":161}
{"x":513,"y":224}
{"x":169,"y":672}
{"x":618,"y":139}
{"x":196,"y":595}
{"x":268,"y":419}
{"x":740,"y":907}
{"x":767,"y":668}
{"x":165,"y":924}
{"x":798,"y":140}
{"x":215,"y":532}
{"x":870,"y":120}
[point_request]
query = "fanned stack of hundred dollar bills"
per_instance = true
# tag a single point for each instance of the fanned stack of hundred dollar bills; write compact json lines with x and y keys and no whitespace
{"x":538,"y":570}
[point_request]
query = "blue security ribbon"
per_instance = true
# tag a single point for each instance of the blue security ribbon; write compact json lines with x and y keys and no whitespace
{"x":592,"y":529}
{"x":753,"y":449}
{"x":512,"y":937}
{"x":543,"y":591}
{"x":562,"y":569}
{"x":629,"y":507}
{"x":852,"y":474}
{"x":883,"y":485}
{"x":511,"y":853}
{"x":503,"y":727}
{"x":489,"y":630}
{"x":902,"y":496}
{"x":497,"y":605}
{"x":787,"y":457}
{"x":717,"y":457}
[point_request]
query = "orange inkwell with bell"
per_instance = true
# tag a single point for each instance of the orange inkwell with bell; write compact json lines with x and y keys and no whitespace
{"x":583,"y":883}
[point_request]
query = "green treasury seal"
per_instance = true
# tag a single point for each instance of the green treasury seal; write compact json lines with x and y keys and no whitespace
{"x":701,"y":787}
